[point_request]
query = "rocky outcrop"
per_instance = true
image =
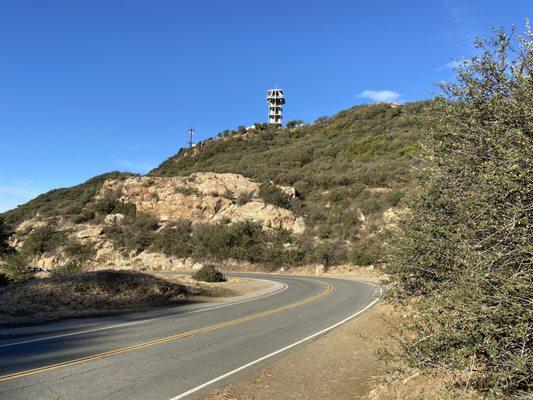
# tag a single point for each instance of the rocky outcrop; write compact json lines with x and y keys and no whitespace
{"x":203,"y":197}
{"x":199,"y":198}
{"x":108,"y":257}
{"x":114,"y":219}
{"x":89,"y":232}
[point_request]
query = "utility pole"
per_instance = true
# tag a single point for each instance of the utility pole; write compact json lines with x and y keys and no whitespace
{"x":191,"y":132}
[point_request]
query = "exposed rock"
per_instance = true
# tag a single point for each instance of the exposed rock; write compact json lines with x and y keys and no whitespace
{"x":29,"y":225}
{"x":288,"y":190}
{"x":320,"y":269}
{"x":379,"y":190}
{"x":202,"y":197}
{"x":107,"y":257}
{"x":47,"y":262}
{"x":89,"y":232}
{"x":114,"y":219}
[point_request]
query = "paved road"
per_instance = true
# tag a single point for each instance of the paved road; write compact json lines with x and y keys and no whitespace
{"x":179,"y":352}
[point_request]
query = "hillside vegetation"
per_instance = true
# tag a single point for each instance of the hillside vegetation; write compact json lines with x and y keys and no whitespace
{"x":348,"y":170}
{"x":69,"y":202}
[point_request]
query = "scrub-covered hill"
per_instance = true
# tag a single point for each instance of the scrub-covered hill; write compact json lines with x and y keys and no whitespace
{"x":349,"y":171}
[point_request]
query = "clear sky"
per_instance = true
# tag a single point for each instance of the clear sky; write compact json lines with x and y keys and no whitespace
{"x":92,"y":86}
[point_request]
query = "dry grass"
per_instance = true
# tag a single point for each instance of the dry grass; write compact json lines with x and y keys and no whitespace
{"x":89,"y":294}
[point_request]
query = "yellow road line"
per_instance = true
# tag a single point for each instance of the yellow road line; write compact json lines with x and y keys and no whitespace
{"x":150,"y":343}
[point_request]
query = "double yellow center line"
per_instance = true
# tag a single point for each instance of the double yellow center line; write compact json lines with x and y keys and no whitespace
{"x":178,"y":336}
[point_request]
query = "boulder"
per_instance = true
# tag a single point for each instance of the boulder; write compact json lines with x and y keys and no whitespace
{"x":320,"y":269}
{"x":114,"y":219}
{"x":90,"y":232}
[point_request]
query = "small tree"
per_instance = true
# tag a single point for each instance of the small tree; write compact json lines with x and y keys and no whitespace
{"x":70,"y":268}
{"x":272,"y":194}
{"x":79,"y":252}
{"x":14,"y":267}
{"x":295,"y":123}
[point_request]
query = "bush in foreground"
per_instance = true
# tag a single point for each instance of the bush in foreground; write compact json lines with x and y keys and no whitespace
{"x":14,"y":268}
{"x":464,"y":255}
{"x":209,"y":273}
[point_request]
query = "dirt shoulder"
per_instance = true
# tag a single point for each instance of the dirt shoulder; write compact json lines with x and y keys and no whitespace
{"x":342,"y":364}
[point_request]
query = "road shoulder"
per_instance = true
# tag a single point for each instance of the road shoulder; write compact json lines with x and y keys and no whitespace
{"x":342,"y":364}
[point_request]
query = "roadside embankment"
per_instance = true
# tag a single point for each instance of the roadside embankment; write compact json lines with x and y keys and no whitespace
{"x":106,"y":292}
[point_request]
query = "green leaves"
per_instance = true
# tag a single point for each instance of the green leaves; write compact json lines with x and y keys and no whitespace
{"x":465,"y":250}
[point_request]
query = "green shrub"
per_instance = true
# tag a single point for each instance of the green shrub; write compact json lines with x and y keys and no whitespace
{"x":14,"y":267}
{"x":42,"y":240}
{"x":70,"y":268}
{"x":271,"y":194}
{"x":368,"y":251}
{"x":241,"y":241}
{"x":209,"y":273}
{"x":5,"y":234}
{"x":82,"y":217}
{"x":294,"y":123}
{"x":174,"y":239}
{"x":244,"y":241}
{"x":135,"y":234}
{"x":82,"y":253}
{"x":245,"y":197}
{"x":105,"y":205}
{"x":463,"y":256}
{"x":328,"y":253}
{"x":127,"y":209}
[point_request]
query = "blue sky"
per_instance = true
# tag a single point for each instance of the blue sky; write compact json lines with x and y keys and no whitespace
{"x":93,"y":86}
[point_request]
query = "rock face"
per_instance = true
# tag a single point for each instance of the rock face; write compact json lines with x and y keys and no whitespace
{"x":199,"y":198}
{"x":108,"y":257}
{"x":203,"y":197}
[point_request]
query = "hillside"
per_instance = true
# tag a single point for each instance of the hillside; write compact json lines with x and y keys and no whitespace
{"x":323,"y":193}
{"x":69,"y":201}
{"x":348,"y":170}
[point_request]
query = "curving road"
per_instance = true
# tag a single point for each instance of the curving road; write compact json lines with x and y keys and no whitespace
{"x":176,"y":353}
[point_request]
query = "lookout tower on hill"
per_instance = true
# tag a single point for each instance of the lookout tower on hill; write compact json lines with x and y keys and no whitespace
{"x":276,"y":100}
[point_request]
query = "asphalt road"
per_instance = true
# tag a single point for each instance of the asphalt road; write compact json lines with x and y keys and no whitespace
{"x":179,"y":352}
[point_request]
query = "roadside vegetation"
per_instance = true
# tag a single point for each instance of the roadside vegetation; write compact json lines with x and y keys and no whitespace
{"x":209,"y":273}
{"x":241,"y":241}
{"x":463,"y":257}
{"x":13,"y":266}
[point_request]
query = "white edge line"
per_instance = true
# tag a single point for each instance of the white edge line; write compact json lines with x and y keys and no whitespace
{"x":143,"y":321}
{"x":221,"y":377}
